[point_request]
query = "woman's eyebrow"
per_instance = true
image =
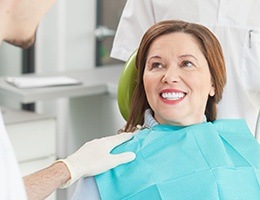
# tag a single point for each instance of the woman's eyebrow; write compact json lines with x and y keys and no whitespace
{"x":153,"y":56}
{"x":188,"y":55}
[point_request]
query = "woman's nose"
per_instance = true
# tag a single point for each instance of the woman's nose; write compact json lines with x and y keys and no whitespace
{"x":172,"y":75}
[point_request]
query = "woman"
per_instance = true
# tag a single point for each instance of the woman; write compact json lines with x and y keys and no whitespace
{"x":182,"y":151}
{"x":205,"y":41}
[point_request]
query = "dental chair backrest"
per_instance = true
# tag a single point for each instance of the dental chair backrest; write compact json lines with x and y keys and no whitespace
{"x":126,"y":85}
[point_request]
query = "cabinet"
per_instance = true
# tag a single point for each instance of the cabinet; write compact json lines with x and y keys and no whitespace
{"x":33,"y":137}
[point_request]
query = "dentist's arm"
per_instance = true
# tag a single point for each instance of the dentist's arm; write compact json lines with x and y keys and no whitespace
{"x":91,"y":159}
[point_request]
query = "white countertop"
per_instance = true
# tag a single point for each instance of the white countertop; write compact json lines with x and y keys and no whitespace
{"x":14,"y":116}
{"x":95,"y":81}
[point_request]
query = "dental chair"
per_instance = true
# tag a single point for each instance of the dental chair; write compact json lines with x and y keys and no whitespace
{"x":126,"y":85}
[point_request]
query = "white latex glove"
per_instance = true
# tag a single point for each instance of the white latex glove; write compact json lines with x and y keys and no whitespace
{"x":94,"y":157}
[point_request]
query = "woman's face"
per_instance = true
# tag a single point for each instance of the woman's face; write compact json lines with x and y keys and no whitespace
{"x":177,"y":80}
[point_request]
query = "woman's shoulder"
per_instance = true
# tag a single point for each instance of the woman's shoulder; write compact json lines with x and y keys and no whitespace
{"x":235,"y":133}
{"x":230,"y":128}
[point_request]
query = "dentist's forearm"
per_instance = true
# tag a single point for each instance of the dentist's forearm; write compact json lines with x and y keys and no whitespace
{"x":41,"y":184}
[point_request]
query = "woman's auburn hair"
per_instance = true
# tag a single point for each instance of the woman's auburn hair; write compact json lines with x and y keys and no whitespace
{"x":209,"y":46}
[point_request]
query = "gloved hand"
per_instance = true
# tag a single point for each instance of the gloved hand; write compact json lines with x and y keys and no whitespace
{"x":94,"y":157}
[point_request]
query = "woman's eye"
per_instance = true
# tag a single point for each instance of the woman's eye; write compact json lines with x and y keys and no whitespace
{"x":187,"y":64}
{"x":156,"y":65}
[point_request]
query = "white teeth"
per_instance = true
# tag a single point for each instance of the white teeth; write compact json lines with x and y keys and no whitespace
{"x":172,"y":96}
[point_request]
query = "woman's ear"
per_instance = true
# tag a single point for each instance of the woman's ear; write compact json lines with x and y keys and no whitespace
{"x":212,"y":91}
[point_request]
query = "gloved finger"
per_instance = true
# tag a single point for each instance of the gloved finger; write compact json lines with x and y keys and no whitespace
{"x":116,"y":140}
{"x":123,"y":158}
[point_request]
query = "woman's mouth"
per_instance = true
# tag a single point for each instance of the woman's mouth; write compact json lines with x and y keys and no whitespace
{"x":172,"y":96}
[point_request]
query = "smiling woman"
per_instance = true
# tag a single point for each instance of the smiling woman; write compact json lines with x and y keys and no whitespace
{"x":185,"y":52}
{"x":182,"y":152}
{"x":177,"y":81}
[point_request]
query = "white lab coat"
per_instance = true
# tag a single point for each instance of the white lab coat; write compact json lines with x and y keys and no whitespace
{"x":11,"y":184}
{"x":235,"y":23}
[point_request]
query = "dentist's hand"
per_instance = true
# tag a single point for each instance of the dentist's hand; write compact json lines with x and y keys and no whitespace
{"x":94,"y":157}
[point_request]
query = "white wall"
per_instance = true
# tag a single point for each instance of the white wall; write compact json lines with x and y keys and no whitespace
{"x":11,"y":65}
{"x":66,"y":37}
{"x":10,"y":60}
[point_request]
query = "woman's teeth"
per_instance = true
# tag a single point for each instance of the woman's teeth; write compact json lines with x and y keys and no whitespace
{"x":173,"y":95}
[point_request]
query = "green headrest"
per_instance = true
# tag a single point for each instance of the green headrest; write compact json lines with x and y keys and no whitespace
{"x":126,"y":86}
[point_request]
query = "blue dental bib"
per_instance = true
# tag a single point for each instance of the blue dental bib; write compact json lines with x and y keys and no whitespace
{"x":210,"y":161}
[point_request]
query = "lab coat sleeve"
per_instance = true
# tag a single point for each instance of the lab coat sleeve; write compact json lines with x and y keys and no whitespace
{"x":11,"y":183}
{"x":136,"y":18}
